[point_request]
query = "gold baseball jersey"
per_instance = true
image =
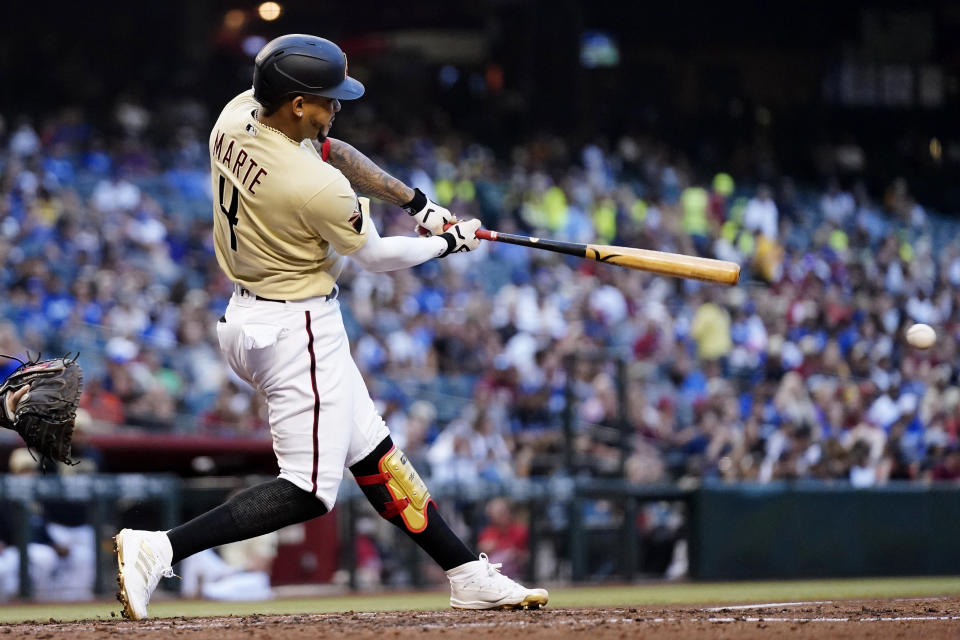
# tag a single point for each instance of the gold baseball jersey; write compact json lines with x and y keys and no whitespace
{"x":282,"y":217}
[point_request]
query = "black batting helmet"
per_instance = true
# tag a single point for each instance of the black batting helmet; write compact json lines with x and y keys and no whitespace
{"x":302,"y":64}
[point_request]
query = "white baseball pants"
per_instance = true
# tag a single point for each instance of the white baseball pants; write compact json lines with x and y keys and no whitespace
{"x":297,"y":354}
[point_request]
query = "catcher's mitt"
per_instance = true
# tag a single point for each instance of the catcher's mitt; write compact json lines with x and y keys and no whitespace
{"x":44,"y":415}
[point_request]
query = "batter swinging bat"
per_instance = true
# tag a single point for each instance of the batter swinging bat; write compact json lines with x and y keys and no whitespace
{"x":667,"y":264}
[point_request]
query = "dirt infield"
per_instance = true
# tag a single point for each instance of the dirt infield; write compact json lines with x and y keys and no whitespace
{"x":931,"y":618}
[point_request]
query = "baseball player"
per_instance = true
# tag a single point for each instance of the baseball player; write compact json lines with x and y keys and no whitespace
{"x":285,"y":215}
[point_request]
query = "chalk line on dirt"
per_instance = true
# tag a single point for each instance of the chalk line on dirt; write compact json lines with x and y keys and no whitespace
{"x":767,"y":605}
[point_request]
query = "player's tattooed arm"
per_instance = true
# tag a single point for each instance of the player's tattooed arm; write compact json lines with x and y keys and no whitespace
{"x":365,"y":176}
{"x":368,"y":179}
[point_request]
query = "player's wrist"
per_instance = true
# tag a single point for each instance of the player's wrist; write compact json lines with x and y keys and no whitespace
{"x":460,"y":237}
{"x":428,"y":214}
{"x":417,"y":203}
{"x":448,"y":246}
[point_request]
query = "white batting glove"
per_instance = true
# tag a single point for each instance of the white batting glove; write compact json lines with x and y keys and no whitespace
{"x":429,"y":215}
{"x":461,"y":237}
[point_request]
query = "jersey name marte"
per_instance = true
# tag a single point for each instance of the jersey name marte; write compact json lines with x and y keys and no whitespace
{"x":282,"y":217}
{"x":226,"y":157}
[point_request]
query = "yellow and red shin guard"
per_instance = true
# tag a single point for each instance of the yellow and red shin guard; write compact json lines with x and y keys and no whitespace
{"x":409,"y":494}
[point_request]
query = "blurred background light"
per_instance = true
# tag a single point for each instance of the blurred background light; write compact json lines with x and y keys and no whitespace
{"x":449,"y":75}
{"x":235,"y":19}
{"x":477,"y":83}
{"x":598,"y":49}
{"x":270,"y":11}
{"x":253,"y":44}
{"x":936,"y":149}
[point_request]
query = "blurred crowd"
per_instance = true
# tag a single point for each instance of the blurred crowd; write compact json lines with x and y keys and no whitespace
{"x":506,"y":361}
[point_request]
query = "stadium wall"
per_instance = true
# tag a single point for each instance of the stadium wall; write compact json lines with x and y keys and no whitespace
{"x":810,"y":530}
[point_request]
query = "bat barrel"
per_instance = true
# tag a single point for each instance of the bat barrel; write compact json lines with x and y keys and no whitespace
{"x":664,"y":263}
{"x":669,"y":264}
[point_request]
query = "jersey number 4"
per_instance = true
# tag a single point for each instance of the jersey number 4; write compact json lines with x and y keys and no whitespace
{"x":231,"y":211}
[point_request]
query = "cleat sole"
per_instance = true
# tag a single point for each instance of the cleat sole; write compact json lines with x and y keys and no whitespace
{"x":532,"y":602}
{"x":121,"y":590}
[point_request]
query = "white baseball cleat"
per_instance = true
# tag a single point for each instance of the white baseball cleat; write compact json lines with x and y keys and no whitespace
{"x":143,"y":557}
{"x":480,"y":585}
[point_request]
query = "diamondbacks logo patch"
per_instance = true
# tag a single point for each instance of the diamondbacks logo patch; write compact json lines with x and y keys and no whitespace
{"x":356,"y":220}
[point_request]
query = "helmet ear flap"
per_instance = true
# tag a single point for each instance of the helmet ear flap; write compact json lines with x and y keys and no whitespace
{"x":261,"y":86}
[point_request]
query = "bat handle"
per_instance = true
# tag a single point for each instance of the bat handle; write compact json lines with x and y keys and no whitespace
{"x":483,"y":234}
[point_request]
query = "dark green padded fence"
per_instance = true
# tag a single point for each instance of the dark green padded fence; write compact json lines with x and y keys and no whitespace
{"x":809,"y":530}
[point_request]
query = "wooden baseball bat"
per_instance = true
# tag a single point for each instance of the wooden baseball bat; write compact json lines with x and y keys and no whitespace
{"x":662,"y":262}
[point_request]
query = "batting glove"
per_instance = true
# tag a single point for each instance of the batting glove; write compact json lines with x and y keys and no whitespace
{"x":461,"y":237}
{"x":429,"y":215}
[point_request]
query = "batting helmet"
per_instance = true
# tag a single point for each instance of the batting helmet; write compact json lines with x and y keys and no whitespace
{"x":302,"y":64}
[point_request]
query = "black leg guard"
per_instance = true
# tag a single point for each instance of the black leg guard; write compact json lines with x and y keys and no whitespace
{"x":433,"y":535}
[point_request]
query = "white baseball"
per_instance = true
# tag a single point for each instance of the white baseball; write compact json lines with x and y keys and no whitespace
{"x":921,"y":336}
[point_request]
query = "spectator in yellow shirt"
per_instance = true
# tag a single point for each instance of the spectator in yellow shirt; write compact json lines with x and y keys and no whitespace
{"x":711,"y":330}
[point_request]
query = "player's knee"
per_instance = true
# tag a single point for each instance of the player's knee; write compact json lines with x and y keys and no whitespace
{"x":393,"y":487}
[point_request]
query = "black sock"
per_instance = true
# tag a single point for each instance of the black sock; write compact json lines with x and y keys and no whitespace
{"x":251,"y":513}
{"x":437,"y":539}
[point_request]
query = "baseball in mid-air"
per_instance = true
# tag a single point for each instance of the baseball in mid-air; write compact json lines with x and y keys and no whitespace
{"x":921,"y":336}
